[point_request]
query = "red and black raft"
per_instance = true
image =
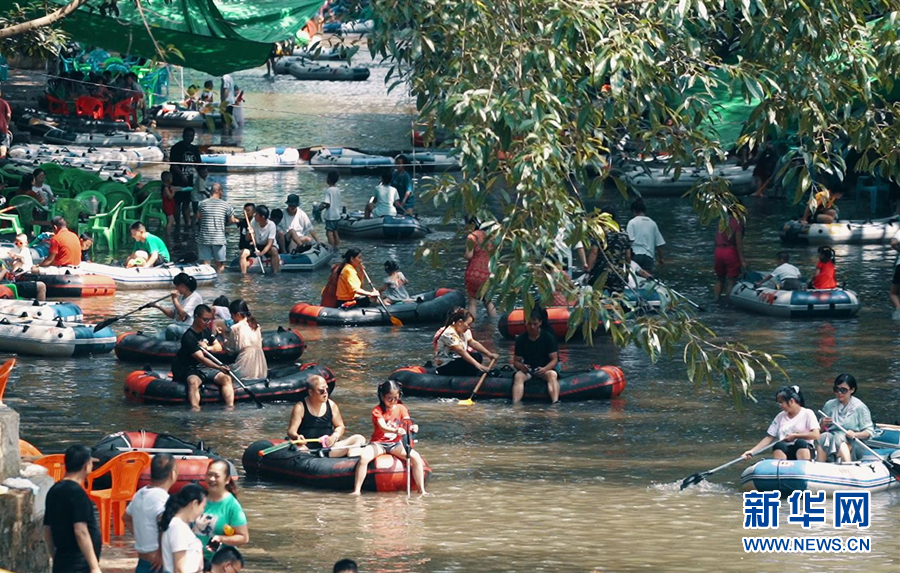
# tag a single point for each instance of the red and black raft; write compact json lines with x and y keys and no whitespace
{"x":192,"y":460}
{"x":282,"y":345}
{"x":61,"y":283}
{"x":283,"y":384}
{"x":513,"y":324}
{"x":429,"y":307}
{"x":596,"y":383}
{"x":385,"y":473}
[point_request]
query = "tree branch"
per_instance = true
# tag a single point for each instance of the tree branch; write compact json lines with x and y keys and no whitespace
{"x":50,"y":18}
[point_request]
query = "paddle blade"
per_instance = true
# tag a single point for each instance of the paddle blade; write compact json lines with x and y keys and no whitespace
{"x":105,"y":323}
{"x":692,"y":480}
{"x":466,"y":402}
{"x":396,"y":321}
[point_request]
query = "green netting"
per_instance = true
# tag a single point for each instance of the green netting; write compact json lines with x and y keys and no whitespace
{"x":730,"y":111}
{"x":213,"y":36}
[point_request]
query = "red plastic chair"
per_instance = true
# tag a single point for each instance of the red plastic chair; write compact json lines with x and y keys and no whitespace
{"x":5,"y":370}
{"x":56,"y":105}
{"x":125,"y":470}
{"x":87,"y":106}
{"x":125,"y":109}
{"x":55,"y":464}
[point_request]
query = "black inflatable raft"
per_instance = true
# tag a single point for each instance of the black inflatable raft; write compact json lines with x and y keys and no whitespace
{"x":385,"y":473}
{"x":429,"y":307}
{"x":597,"y":383}
{"x":279,"y":346}
{"x":286,"y":384}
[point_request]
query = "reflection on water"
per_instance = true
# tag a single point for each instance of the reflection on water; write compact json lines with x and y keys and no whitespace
{"x":577,"y":487}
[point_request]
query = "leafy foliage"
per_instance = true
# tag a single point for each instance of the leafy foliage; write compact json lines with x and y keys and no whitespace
{"x":543,"y":96}
{"x":41,"y":42}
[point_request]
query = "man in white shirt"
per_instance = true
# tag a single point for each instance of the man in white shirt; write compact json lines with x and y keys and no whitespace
{"x":296,"y":227}
{"x":40,"y":188}
{"x":142,"y":515}
{"x":784,"y":275}
{"x":646,"y":240}
{"x":386,"y":201}
{"x":264,"y":233}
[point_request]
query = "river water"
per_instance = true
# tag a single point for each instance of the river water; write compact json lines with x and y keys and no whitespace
{"x":578,"y":487}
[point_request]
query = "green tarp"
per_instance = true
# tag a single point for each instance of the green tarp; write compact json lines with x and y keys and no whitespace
{"x":212,"y":36}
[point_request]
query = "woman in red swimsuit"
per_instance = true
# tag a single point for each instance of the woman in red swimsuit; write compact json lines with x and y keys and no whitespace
{"x":477,"y":272}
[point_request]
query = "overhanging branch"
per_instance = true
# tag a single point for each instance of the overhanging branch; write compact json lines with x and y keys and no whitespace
{"x":50,"y":18}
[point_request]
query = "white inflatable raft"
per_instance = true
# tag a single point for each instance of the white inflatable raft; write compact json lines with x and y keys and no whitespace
{"x":832,"y":303}
{"x":317,"y":257}
{"x":108,"y":139}
{"x":347,"y":160}
{"x":137,"y":278}
{"x":304,"y":70}
{"x":269,"y":159}
{"x":390,"y":227}
{"x":797,"y":475}
{"x":105,"y":156}
{"x":840,"y":232}
{"x":43,"y":310}
{"x":53,"y":338}
{"x":659,"y":181}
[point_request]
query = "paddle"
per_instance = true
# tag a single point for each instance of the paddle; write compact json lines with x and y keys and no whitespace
{"x":262,"y":268}
{"x":698,"y":477}
{"x":287,"y":444}
{"x":471,"y":399}
{"x":679,"y":295}
{"x":394,"y":320}
{"x":409,"y":446}
{"x":893,"y":467}
{"x":233,"y":377}
{"x":115,"y":319}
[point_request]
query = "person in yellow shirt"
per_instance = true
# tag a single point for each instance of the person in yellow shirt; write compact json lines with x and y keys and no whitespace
{"x":825,"y":209}
{"x":349,"y":287}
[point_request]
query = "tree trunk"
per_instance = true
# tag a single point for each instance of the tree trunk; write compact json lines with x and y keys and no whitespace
{"x":50,"y":18}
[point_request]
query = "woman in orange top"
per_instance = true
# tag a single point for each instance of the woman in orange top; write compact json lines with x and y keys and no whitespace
{"x":824,"y":277}
{"x":392,"y":422}
{"x":349,"y":287}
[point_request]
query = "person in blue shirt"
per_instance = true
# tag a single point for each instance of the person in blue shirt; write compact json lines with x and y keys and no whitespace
{"x":402,"y":182}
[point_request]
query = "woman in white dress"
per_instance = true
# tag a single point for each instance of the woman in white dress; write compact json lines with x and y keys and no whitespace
{"x":246,"y":340}
{"x":181,"y":551}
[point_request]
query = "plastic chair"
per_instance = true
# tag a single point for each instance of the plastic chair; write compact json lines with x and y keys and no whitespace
{"x":125,"y":471}
{"x":132,"y":214}
{"x":104,"y":225}
{"x":126,"y":110}
{"x":87,"y":106}
{"x":25,"y":207}
{"x":14,"y":228}
{"x":56,"y":105}
{"x":153,"y":212}
{"x":26,"y":449}
{"x":74,"y":212}
{"x":55,"y":464}
{"x":5,"y":370}
{"x":75,"y":181}
{"x":87,"y":199}
{"x":10,"y":177}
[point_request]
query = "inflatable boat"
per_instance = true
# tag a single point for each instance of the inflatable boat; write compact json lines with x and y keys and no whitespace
{"x":278,"y":345}
{"x":356,"y":27}
{"x":102,"y":139}
{"x":840,"y":232}
{"x":39,"y":122}
{"x":284,"y":384}
{"x":36,"y":337}
{"x":319,"y":256}
{"x":137,"y":278}
{"x":31,"y":308}
{"x":430,"y":307}
{"x":832,"y":303}
{"x":385,"y":473}
{"x":192,"y":460}
{"x":787,"y":476}
{"x":117,"y":173}
{"x":171,"y":115}
{"x":268,"y":159}
{"x":389,"y":227}
{"x":345,"y":160}
{"x":323,"y":72}
{"x":105,"y":156}
{"x":69,"y":282}
{"x":597,"y":383}
{"x":659,"y":181}
{"x":333,"y":54}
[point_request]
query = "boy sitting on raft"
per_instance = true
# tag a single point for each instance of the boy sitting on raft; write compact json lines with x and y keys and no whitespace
{"x":785,"y":276}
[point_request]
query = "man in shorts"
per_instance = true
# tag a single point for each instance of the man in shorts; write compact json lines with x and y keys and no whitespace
{"x":184,"y":156}
{"x":263,"y":234}
{"x":189,"y":364}
{"x":536,"y":355}
{"x":295,"y":230}
{"x":213,"y":214}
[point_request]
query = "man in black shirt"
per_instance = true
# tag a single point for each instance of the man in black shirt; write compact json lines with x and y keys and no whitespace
{"x":190,"y":360}
{"x":184,"y":155}
{"x":70,"y":525}
{"x":536,"y":356}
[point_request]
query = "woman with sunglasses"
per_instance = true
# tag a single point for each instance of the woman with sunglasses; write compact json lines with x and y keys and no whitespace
{"x":850,"y":412}
{"x":795,"y":428}
{"x":392,"y":422}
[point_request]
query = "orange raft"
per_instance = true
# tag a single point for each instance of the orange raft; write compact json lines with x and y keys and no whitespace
{"x":513,"y":324}
{"x":69,"y":285}
{"x":385,"y":473}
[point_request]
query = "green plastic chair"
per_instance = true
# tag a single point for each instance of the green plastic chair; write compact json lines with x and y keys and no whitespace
{"x":132,"y":214}
{"x":25,"y":208}
{"x":153,"y":212}
{"x":149,"y":189}
{"x":9,"y":177}
{"x":115,"y":192}
{"x":134,"y":182}
{"x":14,"y":228}
{"x":86,"y":198}
{"x":75,"y":212}
{"x":104,"y":225}
{"x":75,"y":181}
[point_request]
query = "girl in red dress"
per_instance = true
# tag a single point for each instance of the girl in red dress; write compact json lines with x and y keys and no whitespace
{"x":477,"y":273}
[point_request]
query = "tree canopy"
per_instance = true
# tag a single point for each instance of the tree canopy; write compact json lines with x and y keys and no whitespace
{"x":543,"y":96}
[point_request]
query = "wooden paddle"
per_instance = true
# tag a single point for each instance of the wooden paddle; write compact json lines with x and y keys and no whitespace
{"x":698,"y":477}
{"x":286,"y":444}
{"x":893,"y":467}
{"x":233,"y":376}
{"x":471,"y":399}
{"x":115,"y":319}
{"x":394,"y":320}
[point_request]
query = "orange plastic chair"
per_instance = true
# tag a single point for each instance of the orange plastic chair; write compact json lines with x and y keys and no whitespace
{"x":26,"y":449}
{"x":56,"y":105}
{"x":125,"y":109}
{"x":55,"y":464}
{"x":125,"y":470}
{"x":87,"y":106}
{"x":5,"y":370}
